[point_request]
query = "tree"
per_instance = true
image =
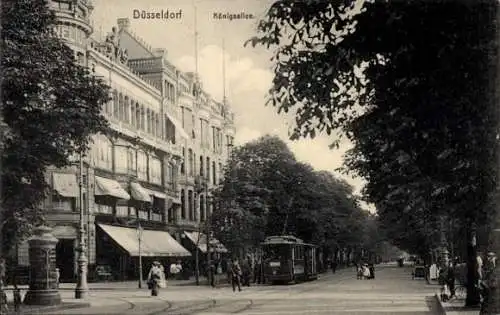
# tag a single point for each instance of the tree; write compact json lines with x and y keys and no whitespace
{"x":409,"y":83}
{"x":266,"y":191}
{"x":51,"y":106}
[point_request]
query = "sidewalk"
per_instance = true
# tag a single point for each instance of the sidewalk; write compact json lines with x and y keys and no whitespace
{"x":455,"y":307}
{"x":96,"y":297}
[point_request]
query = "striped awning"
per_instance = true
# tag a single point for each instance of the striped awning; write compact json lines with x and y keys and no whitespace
{"x":65,"y":184}
{"x":153,"y":243}
{"x":109,"y":187}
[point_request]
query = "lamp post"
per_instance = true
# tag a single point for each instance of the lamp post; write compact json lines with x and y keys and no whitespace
{"x":139,"y":238}
{"x":81,"y":290}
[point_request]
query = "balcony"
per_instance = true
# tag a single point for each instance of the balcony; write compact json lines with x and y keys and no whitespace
{"x":131,"y":131}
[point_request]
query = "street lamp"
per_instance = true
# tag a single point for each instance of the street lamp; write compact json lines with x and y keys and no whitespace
{"x":139,"y":238}
{"x":82,"y":289}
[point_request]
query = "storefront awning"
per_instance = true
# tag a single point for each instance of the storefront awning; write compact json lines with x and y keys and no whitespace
{"x":139,"y":193}
{"x":200,"y":239}
{"x":65,"y":184}
{"x":153,"y":243}
{"x":157,"y":194}
{"x":177,"y":124}
{"x":109,"y":187}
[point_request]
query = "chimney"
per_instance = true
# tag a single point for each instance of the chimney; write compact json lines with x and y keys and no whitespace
{"x":123,"y":23}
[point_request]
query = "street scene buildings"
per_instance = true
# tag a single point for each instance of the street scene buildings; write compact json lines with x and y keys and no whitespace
{"x":154,"y":175}
{"x":251,"y":157}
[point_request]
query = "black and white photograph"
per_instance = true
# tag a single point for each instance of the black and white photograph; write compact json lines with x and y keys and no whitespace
{"x":253,"y":157}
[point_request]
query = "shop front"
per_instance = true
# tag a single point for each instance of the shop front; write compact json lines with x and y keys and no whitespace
{"x":123,"y":248}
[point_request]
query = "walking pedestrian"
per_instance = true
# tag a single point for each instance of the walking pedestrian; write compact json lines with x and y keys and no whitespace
{"x":155,"y":278}
{"x":371,"y":268}
{"x":236,"y":275}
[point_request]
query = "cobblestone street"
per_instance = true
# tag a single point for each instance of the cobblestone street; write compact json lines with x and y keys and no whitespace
{"x":392,"y":292}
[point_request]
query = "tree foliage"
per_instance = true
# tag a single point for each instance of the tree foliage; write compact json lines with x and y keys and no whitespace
{"x":410,"y":83}
{"x":51,"y":105}
{"x":266,"y":191}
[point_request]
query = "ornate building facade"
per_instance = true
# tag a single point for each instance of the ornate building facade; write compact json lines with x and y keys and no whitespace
{"x":152,"y":176}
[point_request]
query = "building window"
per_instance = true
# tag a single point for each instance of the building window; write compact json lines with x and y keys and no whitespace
{"x":214,"y":139}
{"x":103,"y":153}
{"x":214,"y":174}
{"x":155,"y":170}
{"x":190,"y":205}
{"x":143,"y":118}
{"x":183,"y":204}
{"x":121,"y":159}
{"x":190,"y":162}
{"x":126,"y":110}
{"x":183,"y":162}
{"x":131,"y":162}
{"x":208,"y":169}
{"x":171,"y":176}
{"x":121,"y":107}
{"x":202,"y":208}
{"x":220,"y":172}
{"x":60,"y":203}
{"x":138,"y":116}
{"x":142,"y":166}
{"x":148,"y":121}
{"x":201,"y":166}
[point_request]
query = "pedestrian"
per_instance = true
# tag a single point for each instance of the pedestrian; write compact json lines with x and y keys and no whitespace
{"x":334,"y":265}
{"x":371,"y":268}
{"x":236,"y":275}
{"x":366,"y":271}
{"x":245,"y":269}
{"x":211,"y":272}
{"x":257,"y":272}
{"x":229,"y":271}
{"x":155,"y":278}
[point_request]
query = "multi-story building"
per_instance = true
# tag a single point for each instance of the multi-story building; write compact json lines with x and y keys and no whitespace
{"x":154,"y":172}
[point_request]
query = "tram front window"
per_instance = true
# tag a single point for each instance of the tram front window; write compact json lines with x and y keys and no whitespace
{"x":276,"y":252}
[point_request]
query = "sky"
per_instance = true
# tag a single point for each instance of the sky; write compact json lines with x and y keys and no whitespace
{"x":248,"y":70}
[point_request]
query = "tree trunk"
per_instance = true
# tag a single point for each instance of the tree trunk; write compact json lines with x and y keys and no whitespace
{"x":473,"y":297}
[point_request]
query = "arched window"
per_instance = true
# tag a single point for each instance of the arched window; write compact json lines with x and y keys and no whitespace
{"x":148,"y":120}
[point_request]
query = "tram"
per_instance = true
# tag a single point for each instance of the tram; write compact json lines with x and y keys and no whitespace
{"x":287,"y":259}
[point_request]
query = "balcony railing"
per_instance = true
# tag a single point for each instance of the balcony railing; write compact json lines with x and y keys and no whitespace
{"x":132,"y":131}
